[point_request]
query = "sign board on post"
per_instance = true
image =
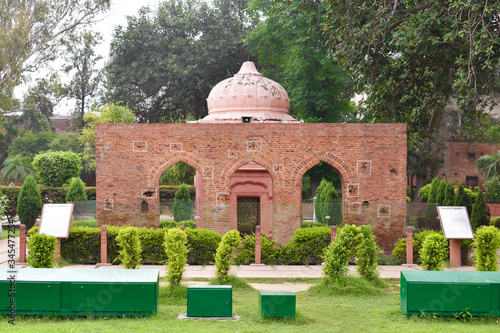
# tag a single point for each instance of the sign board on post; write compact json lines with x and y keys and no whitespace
{"x":455,"y":222}
{"x":56,"y":220}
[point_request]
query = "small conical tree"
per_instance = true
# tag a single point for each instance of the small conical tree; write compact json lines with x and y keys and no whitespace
{"x":183,"y":206}
{"x":440,"y":191}
{"x":449,"y":195}
{"x":480,"y":212}
{"x":463,"y":199}
{"x":76,"y":191}
{"x":433,"y":191}
{"x":29,"y":202}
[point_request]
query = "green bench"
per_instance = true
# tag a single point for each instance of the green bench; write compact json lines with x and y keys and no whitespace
{"x":79,"y":292}
{"x":450,"y":292}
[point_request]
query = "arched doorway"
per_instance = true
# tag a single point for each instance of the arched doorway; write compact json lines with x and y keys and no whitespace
{"x":322,"y":195}
{"x":174,"y":176}
{"x":251,"y":192}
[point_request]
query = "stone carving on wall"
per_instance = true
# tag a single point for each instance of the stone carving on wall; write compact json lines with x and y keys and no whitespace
{"x":354,"y":207}
{"x":364,"y":168}
{"x":175,"y":147}
{"x":384,"y":211}
{"x":140,"y":146}
{"x":208,"y":172}
{"x":108,"y":204}
{"x":353,"y":190}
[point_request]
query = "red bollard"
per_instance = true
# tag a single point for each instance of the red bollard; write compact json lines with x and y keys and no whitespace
{"x":22,"y":244}
{"x":409,"y":246}
{"x":258,"y":242}
{"x":104,"y":245}
{"x":334,"y":233}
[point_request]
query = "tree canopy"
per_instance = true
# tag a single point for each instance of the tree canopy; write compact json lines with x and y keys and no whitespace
{"x":292,"y":50}
{"x":166,"y":60}
{"x":409,"y":57}
{"x":30,"y":34}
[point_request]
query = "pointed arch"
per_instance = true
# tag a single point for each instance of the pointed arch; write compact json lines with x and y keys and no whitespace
{"x":156,"y":169}
{"x":262,"y":159}
{"x":346,"y":173}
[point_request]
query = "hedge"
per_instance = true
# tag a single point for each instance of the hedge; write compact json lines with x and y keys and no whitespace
{"x":83,"y":246}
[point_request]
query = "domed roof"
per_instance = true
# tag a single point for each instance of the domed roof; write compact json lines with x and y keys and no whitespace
{"x":248,"y":94}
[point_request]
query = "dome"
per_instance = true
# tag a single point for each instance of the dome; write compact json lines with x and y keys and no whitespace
{"x":248,"y":95}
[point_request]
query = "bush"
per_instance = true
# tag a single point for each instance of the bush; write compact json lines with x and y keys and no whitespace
{"x":83,"y":245}
{"x":492,"y":187}
{"x":183,"y":206}
{"x":399,"y":251}
{"x":480,"y":212}
{"x":224,"y":254}
{"x":440,"y":191}
{"x":76,"y":191}
{"x":487,"y":243}
{"x":246,"y":253}
{"x":42,"y":250}
{"x":307,"y":246}
{"x":424,"y":192}
{"x":29,"y":203}
{"x":130,"y":247}
{"x":313,"y":224}
{"x":449,"y":195}
{"x":495,"y":222}
{"x":433,"y":252}
{"x":463,"y":199}
{"x":202,"y":245}
{"x":367,"y":253}
{"x":92,"y":223}
{"x":56,"y":168}
{"x":337,"y":255}
{"x":326,"y":204}
{"x":176,"y":251}
{"x":431,"y":196}
{"x":172,"y":224}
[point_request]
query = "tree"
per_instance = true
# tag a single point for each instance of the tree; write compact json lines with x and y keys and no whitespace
{"x":433,"y":191}
{"x":177,"y":174}
{"x":292,"y":49}
{"x":82,"y":59}
{"x":440,"y":191}
{"x":463,"y":199}
{"x":423,"y":161}
{"x":183,"y":206}
{"x":31,"y":143}
{"x":107,"y":114}
{"x":492,"y":187}
{"x":480,"y":212}
{"x":489,"y":165}
{"x":166,"y":61}
{"x":8,"y":132}
{"x":409,"y":57}
{"x":76,"y":191}
{"x":16,"y":168}
{"x":30,"y":34}
{"x":29,"y":202}
{"x":449,"y":195}
{"x":56,"y":168}
{"x":325,"y":204}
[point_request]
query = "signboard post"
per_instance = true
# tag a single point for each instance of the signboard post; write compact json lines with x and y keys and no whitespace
{"x":456,"y":225}
{"x":56,"y":221}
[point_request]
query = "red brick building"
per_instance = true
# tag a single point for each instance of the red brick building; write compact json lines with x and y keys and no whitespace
{"x":370,"y":159}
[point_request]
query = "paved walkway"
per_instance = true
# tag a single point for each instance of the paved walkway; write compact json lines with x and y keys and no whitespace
{"x":244,"y":271}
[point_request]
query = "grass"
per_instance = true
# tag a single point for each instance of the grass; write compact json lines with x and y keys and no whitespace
{"x":5,"y":233}
{"x":355,"y":305}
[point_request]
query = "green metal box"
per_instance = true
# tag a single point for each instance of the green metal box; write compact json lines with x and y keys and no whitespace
{"x":277,"y":304}
{"x":79,"y":292}
{"x":449,"y":293}
{"x":210,"y":301}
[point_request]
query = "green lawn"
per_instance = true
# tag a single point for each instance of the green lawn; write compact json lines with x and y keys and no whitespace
{"x":355,"y":308}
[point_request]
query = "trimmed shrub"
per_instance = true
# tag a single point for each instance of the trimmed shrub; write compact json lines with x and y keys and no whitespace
{"x":307,"y":246}
{"x":172,"y":224}
{"x":83,"y":245}
{"x":367,"y":253}
{"x":440,"y":191}
{"x":399,"y":251}
{"x":337,"y":255}
{"x":487,"y":243}
{"x":29,"y":202}
{"x":42,"y":250}
{"x":313,"y":224}
{"x":326,"y":204}
{"x":202,"y":245}
{"x":224,"y":254}
{"x":449,"y":195}
{"x":495,"y":222}
{"x":246,"y":253}
{"x":76,"y":191}
{"x":176,"y":251}
{"x":56,"y":168}
{"x":463,"y":199}
{"x":480,"y":212}
{"x":130,"y":247}
{"x":183,"y":206}
{"x":431,"y":197}
{"x":433,"y":252}
{"x":92,"y":223}
{"x":168,"y":224}
{"x":424,"y":192}
{"x":492,"y":187}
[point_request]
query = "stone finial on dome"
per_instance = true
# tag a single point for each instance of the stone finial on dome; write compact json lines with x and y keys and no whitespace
{"x":248,"y":68}
{"x":248,"y":94}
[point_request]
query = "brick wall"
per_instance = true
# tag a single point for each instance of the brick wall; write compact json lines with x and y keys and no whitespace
{"x":370,"y":158}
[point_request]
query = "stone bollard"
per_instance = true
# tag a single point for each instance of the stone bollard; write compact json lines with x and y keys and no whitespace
{"x":258,"y":243}
{"x":22,"y":243}
{"x":334,"y":233}
{"x":104,"y":245}
{"x":409,"y":246}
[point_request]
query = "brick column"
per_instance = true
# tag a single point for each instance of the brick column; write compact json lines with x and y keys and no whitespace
{"x":334,"y":233}
{"x":455,"y":250}
{"x":104,"y":245}
{"x":409,"y":245}
{"x":258,"y":242}
{"x":22,"y":243}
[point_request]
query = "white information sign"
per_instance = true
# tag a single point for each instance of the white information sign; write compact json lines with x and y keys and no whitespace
{"x":56,"y":220}
{"x":455,"y":222}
